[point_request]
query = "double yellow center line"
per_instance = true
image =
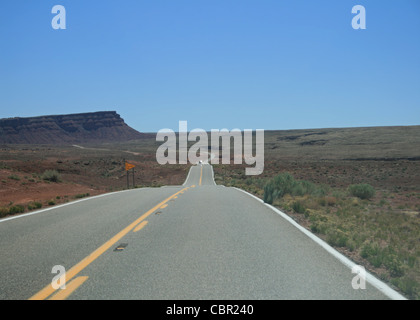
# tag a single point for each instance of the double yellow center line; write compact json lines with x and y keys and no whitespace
{"x":75,"y":270}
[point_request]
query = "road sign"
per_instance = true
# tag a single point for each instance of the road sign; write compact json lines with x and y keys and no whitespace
{"x":129,"y":166}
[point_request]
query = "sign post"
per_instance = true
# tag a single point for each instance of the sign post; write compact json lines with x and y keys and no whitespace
{"x":128,"y":167}
{"x":128,"y":183}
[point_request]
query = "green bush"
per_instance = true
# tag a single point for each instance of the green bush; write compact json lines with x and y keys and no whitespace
{"x":386,"y":257}
{"x":369,"y":250}
{"x":298,"y":207}
{"x":268,"y":193}
{"x":319,"y":227}
{"x":362,"y":191}
{"x":81,"y":195}
{"x":16,"y":209}
{"x":285,"y":183}
{"x":337,"y":238}
{"x":408,"y":285}
{"x":394,"y":265}
{"x":51,"y":175}
{"x":4,"y":212}
{"x":34,"y":205}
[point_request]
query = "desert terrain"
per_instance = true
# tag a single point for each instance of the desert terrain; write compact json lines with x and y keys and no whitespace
{"x":381,"y":232}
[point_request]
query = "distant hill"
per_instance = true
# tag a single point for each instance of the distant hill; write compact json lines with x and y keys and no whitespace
{"x":392,"y":143}
{"x":104,"y":126}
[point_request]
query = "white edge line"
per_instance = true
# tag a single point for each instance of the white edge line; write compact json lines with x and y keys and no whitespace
{"x":187,"y":176}
{"x":212,"y":173}
{"x":66,"y":204}
{"x":74,"y":202}
{"x":381,"y":286}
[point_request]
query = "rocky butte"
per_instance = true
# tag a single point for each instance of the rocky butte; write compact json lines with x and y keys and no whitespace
{"x":92,"y":127}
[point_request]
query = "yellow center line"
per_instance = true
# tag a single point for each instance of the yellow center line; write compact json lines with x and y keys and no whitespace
{"x":140,"y":226}
{"x":70,"y":288}
{"x":201,"y":175}
{"x":49,"y":289}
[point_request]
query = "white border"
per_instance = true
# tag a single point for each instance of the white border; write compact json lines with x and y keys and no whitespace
{"x":212,"y":175}
{"x":381,"y":286}
{"x":187,"y":176}
{"x":66,"y":204}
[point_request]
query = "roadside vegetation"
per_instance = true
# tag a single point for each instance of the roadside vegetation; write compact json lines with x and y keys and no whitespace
{"x":51,"y":175}
{"x":357,"y":220}
{"x":13,"y":209}
{"x":356,"y":188}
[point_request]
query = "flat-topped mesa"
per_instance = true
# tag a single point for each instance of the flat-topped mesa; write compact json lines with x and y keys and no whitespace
{"x":103,"y":126}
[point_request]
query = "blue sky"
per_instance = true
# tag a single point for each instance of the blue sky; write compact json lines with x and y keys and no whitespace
{"x":266,"y":64}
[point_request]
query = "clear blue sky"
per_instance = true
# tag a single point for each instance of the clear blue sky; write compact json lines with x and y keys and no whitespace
{"x":247,"y":64}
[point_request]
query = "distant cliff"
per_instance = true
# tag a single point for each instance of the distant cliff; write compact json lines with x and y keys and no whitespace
{"x":104,"y":126}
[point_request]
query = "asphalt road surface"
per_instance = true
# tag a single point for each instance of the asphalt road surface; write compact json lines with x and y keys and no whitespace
{"x":195,"y":241}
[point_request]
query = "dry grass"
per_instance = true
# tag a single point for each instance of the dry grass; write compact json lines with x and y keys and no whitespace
{"x":380,"y":232}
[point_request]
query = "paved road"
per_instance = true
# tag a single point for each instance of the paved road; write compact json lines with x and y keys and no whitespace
{"x":196,"y":241}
